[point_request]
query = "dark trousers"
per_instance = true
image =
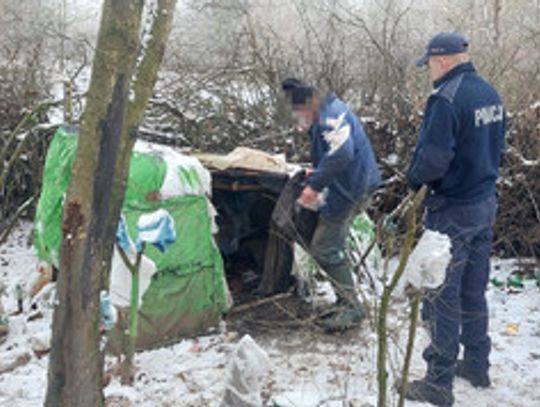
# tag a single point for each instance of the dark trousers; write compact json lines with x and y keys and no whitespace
{"x":457,"y":312}
{"x":328,"y":249}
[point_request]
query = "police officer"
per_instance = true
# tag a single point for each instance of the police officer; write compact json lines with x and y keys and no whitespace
{"x":344,"y":176}
{"x":457,"y":156}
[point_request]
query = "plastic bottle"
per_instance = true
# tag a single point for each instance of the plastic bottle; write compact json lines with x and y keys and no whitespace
{"x":497,"y":283}
{"x":515,"y":282}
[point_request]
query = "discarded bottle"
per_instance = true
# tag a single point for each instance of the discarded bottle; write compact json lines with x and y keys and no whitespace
{"x":515,"y":281}
{"x":497,"y":283}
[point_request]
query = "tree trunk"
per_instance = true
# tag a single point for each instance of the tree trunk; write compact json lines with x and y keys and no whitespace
{"x":124,"y":73}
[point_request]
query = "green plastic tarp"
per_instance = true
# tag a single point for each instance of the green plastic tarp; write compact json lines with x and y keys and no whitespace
{"x":187,"y":294}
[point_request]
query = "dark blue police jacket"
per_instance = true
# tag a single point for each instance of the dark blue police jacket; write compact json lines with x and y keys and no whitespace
{"x":342,"y":158}
{"x":461,"y":141}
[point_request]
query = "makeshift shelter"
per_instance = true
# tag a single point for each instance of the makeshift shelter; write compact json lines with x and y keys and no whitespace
{"x":228,"y":217}
{"x":187,"y":293}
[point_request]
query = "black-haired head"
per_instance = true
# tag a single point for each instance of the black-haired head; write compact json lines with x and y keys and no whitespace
{"x":298,"y":91}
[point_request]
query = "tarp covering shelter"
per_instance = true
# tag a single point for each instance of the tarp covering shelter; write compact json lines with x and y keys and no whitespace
{"x":187,"y":294}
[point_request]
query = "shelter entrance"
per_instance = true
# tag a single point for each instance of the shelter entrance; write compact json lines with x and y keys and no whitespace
{"x":245,"y":200}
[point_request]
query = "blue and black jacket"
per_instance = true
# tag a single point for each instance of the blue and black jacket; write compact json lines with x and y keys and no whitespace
{"x":461,"y":142}
{"x":342,"y":158}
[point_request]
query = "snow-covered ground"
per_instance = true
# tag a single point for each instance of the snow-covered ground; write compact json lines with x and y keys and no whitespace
{"x":307,"y":368}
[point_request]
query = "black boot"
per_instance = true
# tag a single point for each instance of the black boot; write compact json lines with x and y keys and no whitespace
{"x":421,"y":390}
{"x":341,"y":319}
{"x":347,"y":313}
{"x":476,"y":377}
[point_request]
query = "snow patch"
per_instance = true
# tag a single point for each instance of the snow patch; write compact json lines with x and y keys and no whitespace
{"x":307,"y":369}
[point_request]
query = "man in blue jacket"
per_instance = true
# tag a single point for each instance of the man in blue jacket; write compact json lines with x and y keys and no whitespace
{"x":457,"y":156}
{"x":344,"y":176}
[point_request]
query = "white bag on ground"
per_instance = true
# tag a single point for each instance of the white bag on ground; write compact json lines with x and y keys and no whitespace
{"x":428,"y":262}
{"x":248,"y":367}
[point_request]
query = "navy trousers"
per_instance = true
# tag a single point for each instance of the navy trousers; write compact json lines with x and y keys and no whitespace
{"x":457,"y":311}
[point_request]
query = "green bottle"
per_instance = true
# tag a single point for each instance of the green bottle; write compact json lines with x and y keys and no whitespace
{"x":515,"y":281}
{"x":497,"y":283}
